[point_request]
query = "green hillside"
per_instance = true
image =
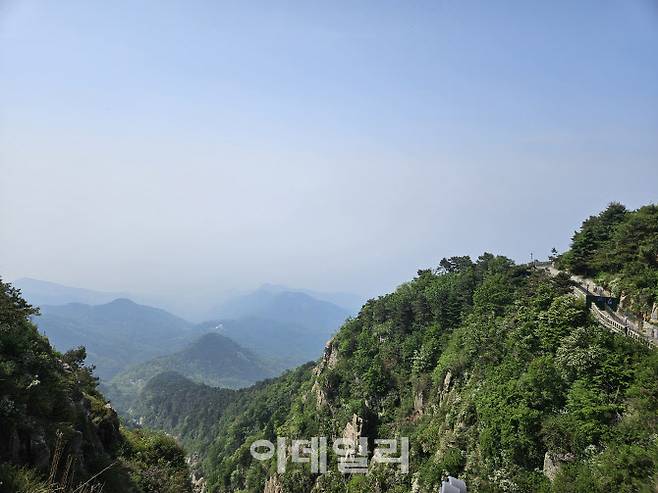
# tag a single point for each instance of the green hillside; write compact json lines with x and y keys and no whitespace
{"x":496,"y":373}
{"x":212,"y":359}
{"x":619,"y":248}
{"x":200,"y":415}
{"x":57,"y":432}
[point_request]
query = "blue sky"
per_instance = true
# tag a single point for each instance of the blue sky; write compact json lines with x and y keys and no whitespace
{"x":210,"y":146}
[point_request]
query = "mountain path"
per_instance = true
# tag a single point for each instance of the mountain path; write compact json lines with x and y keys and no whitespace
{"x":625,"y":324}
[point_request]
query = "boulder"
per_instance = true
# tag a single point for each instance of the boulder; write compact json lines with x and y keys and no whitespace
{"x":553,"y":462}
{"x":320,"y":395}
{"x":329,"y":358}
{"x":353,"y":429}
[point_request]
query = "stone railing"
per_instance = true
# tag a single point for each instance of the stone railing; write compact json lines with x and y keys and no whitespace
{"x":610,"y":323}
{"x":607,"y":318}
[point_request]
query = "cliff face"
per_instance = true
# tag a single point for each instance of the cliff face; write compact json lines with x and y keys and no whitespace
{"x":90,"y":438}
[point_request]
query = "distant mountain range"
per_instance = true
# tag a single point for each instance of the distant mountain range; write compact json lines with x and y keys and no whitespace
{"x":283,"y":344}
{"x":287,"y":327}
{"x":282,"y":327}
{"x":116,"y":334}
{"x":347,"y":301}
{"x":293,"y":307}
{"x":39,"y":293}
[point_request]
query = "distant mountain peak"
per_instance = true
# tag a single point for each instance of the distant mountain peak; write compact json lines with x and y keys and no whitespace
{"x":348,"y":301}
{"x":213,"y":343}
{"x":296,"y":307}
{"x":212,"y":359}
{"x":122,"y":301}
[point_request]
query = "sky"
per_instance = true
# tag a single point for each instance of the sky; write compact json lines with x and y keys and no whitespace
{"x":190,"y":149}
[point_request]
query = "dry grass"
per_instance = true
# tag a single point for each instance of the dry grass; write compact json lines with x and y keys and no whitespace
{"x":64,"y":482}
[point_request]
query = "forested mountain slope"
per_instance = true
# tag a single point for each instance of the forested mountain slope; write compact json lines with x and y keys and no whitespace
{"x":57,"y":432}
{"x":619,"y":248}
{"x":198,"y":414}
{"x":212,"y":359}
{"x":495,"y":372}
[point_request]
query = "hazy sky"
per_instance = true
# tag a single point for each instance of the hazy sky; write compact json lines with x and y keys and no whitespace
{"x":201,"y":146}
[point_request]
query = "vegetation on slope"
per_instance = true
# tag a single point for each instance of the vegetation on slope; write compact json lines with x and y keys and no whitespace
{"x":57,"y":432}
{"x":619,"y":248}
{"x":211,"y":359}
{"x":495,"y":372}
{"x":492,"y":370}
{"x":197,"y":413}
{"x":171,"y":402}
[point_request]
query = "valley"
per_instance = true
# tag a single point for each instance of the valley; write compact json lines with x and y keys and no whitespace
{"x":495,"y":372}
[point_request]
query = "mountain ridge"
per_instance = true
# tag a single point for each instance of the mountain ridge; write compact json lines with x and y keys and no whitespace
{"x":285,"y":306}
{"x":116,"y":334}
{"x":211,"y":359}
{"x":496,"y":372}
{"x":39,"y":292}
